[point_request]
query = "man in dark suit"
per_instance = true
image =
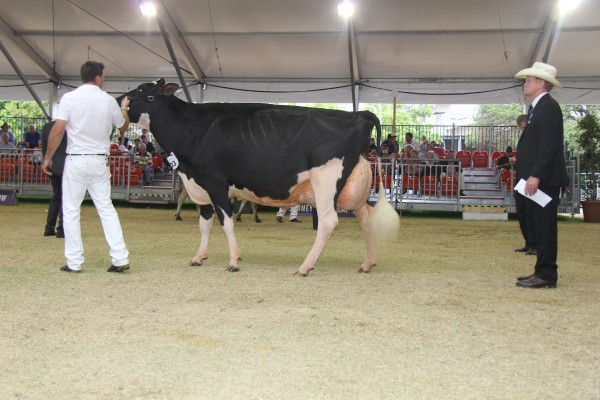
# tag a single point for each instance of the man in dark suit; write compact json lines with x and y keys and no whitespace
{"x":541,"y":163}
{"x":58,"y":163}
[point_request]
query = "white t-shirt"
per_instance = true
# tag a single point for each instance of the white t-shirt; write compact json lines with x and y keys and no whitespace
{"x":90,"y":113}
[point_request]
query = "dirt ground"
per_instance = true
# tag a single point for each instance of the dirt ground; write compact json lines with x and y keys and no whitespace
{"x":439,"y":317}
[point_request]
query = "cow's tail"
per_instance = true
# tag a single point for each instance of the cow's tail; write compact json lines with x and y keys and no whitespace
{"x":384,"y":221}
{"x":378,"y":127}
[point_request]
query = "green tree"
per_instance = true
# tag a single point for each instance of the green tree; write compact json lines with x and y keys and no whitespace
{"x":21,"y":109}
{"x":497,"y":114}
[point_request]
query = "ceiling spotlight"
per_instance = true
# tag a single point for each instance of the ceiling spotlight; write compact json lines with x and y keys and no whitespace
{"x":345,"y":8}
{"x":147,"y":8}
{"x":566,"y":6}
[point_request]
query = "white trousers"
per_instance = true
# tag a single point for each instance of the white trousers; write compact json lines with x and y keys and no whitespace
{"x":293,"y":212}
{"x":91,"y":173}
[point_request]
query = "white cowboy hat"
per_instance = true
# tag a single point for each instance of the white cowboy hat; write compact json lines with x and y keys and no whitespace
{"x":540,"y":70}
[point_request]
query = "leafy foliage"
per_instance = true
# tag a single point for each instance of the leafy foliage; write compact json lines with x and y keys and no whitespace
{"x":497,"y":114}
{"x":588,"y":140}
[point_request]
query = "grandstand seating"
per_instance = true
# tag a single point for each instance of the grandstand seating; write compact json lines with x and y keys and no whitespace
{"x":429,"y":185}
{"x":410,"y":182}
{"x":465,"y":158}
{"x":480,"y":159}
{"x":496,"y":155}
{"x":449,"y":186}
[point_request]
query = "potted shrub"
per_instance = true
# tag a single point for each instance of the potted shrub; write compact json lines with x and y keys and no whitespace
{"x":588,"y":139}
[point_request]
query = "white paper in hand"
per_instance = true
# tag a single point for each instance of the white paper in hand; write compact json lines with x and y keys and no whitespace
{"x":539,"y":197}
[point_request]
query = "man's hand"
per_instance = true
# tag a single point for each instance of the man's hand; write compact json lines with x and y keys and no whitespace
{"x":125,"y":102}
{"x":46,"y":166}
{"x":531,"y":186}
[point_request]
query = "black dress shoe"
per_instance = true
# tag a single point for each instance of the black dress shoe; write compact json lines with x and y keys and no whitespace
{"x":60,"y":234}
{"x":523,"y":278}
{"x":522,"y":250}
{"x":531,"y":252}
{"x":295,"y":220}
{"x":66,"y":268}
{"x":535,"y":283}
{"x":114,"y":268}
{"x":49,"y":233}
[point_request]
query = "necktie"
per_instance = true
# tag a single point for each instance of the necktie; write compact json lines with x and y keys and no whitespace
{"x":529,"y":113}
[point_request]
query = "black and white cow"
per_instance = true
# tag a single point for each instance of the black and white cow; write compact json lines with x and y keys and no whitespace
{"x":273,"y":155}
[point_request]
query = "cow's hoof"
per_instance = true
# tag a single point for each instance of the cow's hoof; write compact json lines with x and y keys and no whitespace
{"x":361,"y":270}
{"x":231,"y":268}
{"x":303,"y":274}
{"x":195,"y":264}
{"x":178,"y":218}
{"x":257,"y":220}
{"x":238,"y":219}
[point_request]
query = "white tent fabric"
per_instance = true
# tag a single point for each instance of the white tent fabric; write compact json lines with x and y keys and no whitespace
{"x":420,"y":51}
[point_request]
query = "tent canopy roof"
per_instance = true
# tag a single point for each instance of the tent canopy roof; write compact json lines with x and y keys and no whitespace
{"x":420,"y":51}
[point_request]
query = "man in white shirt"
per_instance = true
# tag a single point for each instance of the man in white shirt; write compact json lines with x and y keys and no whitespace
{"x":88,"y":113}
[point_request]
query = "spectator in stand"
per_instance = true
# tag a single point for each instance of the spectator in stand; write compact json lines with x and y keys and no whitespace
{"x":451,"y":169}
{"x":372,"y":145}
{"x":145,"y":140}
{"x":392,"y":145}
{"x":6,"y":146}
{"x":406,"y":151}
{"x":525,"y":220}
{"x":424,"y":141}
{"x":58,"y":163}
{"x":504,"y":161}
{"x":412,"y":166}
{"x":408,"y":140}
{"x":136,"y":147}
{"x":123,"y":140}
{"x":428,"y":148}
{"x":432,"y":168}
{"x":11,"y":136}
{"x":33,"y":137}
{"x":143,"y":159}
{"x":293,"y":214}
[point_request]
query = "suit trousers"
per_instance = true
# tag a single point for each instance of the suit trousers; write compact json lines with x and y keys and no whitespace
{"x":546,"y":234}
{"x":91,"y":173}
{"x":525,"y":221}
{"x":55,"y":205}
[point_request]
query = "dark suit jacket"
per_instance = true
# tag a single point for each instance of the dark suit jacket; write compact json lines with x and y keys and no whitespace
{"x":58,"y":159}
{"x":541,"y":148}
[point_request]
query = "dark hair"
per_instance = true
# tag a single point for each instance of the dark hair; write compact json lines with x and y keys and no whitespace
{"x":522,"y":118}
{"x":90,"y":70}
{"x":409,"y":134}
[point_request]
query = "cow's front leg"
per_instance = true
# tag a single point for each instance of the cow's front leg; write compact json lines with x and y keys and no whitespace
{"x":225,"y":215}
{"x":205,"y":223}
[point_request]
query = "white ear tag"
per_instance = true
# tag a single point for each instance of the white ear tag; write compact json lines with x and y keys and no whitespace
{"x":173,"y":161}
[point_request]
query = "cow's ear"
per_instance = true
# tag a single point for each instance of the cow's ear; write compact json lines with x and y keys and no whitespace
{"x":169,"y":89}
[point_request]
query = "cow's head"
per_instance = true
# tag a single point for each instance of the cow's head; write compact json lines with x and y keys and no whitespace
{"x":143,"y":99}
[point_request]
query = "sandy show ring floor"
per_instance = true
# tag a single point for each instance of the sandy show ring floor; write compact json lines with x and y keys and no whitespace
{"x":439,"y":317}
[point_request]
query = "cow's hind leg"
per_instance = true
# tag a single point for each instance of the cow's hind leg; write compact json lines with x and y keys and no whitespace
{"x":255,"y":213}
{"x":363,"y":214}
{"x":323,"y":181}
{"x":225,"y":214}
{"x":205,"y":223}
{"x":238,"y":216}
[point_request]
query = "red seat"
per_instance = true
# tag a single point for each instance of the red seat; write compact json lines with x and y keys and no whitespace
{"x":7,"y":169}
{"x":496,"y":155}
{"x":465,"y":158}
{"x":449,"y":185}
{"x":28,"y":173}
{"x":439,"y":152}
{"x":480,"y":159}
{"x":508,"y":178}
{"x":410,"y":182}
{"x":387,"y":181}
{"x":157,"y":162}
{"x":429,"y":185}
